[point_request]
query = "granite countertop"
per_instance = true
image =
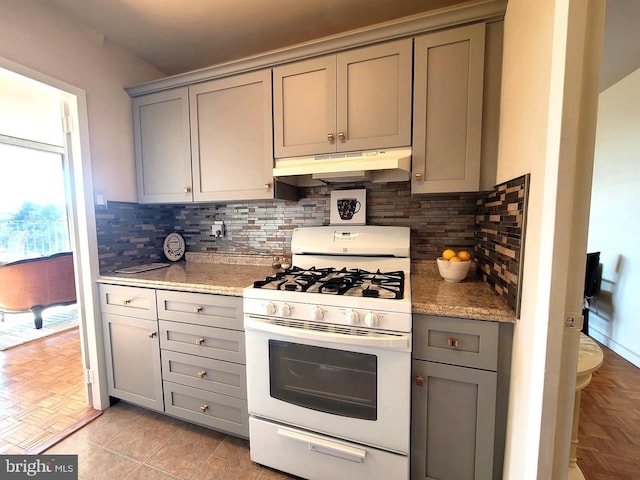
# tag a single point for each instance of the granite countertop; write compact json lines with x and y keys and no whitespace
{"x":206,"y":275}
{"x":471,"y":298}
{"x":229,"y":275}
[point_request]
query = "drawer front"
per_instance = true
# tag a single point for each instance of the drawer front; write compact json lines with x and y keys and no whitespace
{"x":220,"y":412}
{"x":209,"y":342}
{"x":201,"y":308}
{"x":128,"y":301}
{"x":456,"y":341}
{"x":212,"y":375}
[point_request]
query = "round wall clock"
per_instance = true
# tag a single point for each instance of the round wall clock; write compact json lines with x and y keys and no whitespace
{"x":174,"y":247}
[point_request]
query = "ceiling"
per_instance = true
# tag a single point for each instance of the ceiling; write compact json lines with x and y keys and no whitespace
{"x":180,"y":36}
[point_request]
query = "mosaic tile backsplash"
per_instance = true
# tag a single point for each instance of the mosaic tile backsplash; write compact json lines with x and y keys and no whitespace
{"x":130,"y":233}
{"x":499,"y":241}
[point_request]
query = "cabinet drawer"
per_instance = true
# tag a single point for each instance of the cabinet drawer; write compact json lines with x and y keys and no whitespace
{"x":200,"y":308}
{"x":128,"y":301}
{"x":221,"y":412}
{"x":456,"y":341}
{"x":212,"y":375}
{"x":209,"y":342}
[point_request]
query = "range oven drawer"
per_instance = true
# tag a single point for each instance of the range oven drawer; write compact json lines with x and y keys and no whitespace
{"x":313,"y":456}
{"x":221,"y":412}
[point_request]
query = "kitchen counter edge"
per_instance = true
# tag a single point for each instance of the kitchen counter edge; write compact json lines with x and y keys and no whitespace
{"x":470,"y":299}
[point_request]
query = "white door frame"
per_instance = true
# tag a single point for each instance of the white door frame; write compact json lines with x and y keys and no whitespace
{"x":82,"y":229}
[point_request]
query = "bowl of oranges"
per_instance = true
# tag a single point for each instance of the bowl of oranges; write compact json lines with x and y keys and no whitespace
{"x":454,"y":266}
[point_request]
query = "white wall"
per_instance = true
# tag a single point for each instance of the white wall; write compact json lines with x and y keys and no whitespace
{"x":36,"y":36}
{"x":614,"y":226}
{"x":540,"y":133}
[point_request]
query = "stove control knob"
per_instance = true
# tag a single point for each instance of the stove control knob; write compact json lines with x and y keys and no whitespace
{"x":371,"y":319}
{"x":269,"y":308}
{"x":284,"y":310}
{"x":317,"y":314}
{"x":353,"y":318}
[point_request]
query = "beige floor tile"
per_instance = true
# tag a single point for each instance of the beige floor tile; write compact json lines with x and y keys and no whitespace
{"x":136,"y":443}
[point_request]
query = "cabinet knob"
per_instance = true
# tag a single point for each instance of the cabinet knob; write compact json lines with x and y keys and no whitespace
{"x":197,"y":309}
{"x":152,"y":334}
{"x":342,"y":136}
{"x":267,"y":186}
{"x":204,"y":408}
{"x":201,"y":374}
{"x":420,"y":380}
{"x":199,"y":341}
{"x":453,"y":342}
{"x":331,"y":137}
{"x":187,"y":189}
{"x":418,"y":176}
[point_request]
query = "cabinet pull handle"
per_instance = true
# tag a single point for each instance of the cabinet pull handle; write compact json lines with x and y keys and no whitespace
{"x":418,"y":176}
{"x":342,"y":136}
{"x":453,"y":342}
{"x":197,"y":309}
{"x":201,"y":374}
{"x":204,"y":408}
{"x":187,"y":189}
{"x":199,"y":341}
{"x":420,"y":380}
{"x":331,"y":137}
{"x":152,"y":334}
{"x":126,"y":301}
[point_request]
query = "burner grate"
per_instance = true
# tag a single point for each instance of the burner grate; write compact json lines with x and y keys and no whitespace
{"x":333,"y":281}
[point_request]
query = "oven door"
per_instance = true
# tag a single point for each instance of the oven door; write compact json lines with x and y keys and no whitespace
{"x":355,"y":387}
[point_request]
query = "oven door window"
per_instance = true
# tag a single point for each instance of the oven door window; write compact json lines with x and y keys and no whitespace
{"x":325,"y":379}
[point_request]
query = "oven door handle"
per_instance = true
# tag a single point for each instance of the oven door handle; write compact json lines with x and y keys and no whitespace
{"x":324,"y":446}
{"x":400,"y":342}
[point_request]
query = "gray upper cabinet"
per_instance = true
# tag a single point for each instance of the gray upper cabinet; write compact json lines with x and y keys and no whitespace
{"x":231,"y":138}
{"x":356,"y":100}
{"x":163,"y":151}
{"x":207,"y":142}
{"x":448,"y":110}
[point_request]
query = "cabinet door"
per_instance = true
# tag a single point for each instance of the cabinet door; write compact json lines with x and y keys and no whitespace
{"x":374,"y":97}
{"x":452,"y":422}
{"x":447,"y":110}
{"x":132,"y":350}
{"x":304,"y":109}
{"x":231,"y":138}
{"x":163,"y":152}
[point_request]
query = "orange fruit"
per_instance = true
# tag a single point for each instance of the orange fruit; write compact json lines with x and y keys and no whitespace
{"x":448,"y":254}
{"x":464,"y":255}
{"x":455,"y":259}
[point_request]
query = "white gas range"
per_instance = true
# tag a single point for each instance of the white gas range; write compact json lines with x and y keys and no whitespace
{"x":329,"y":356}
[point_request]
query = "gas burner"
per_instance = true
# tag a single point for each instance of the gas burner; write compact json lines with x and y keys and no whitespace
{"x":332,"y":281}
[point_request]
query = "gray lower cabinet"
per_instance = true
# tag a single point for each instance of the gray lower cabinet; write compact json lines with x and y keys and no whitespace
{"x":131,"y":340}
{"x":459,"y":395}
{"x":194,"y":366}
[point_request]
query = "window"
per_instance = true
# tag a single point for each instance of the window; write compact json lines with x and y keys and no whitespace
{"x":33,"y":214}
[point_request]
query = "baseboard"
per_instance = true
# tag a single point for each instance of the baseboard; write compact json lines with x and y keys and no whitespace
{"x":615,"y":346}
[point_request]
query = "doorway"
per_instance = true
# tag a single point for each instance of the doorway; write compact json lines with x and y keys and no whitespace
{"x":72,"y":118}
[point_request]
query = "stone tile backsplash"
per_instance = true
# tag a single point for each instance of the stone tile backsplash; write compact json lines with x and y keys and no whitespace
{"x":499,"y":241}
{"x":131,"y":233}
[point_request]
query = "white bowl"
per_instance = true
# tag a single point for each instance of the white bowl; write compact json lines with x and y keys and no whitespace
{"x":453,"y":271}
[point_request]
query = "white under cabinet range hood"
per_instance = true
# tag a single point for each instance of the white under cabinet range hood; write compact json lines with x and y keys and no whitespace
{"x":390,"y":165}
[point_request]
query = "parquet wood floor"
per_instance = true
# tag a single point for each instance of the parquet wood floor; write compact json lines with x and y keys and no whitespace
{"x":609,"y":429}
{"x":42,"y":395}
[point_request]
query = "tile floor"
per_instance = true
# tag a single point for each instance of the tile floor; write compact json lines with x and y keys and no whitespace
{"x":131,"y":443}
